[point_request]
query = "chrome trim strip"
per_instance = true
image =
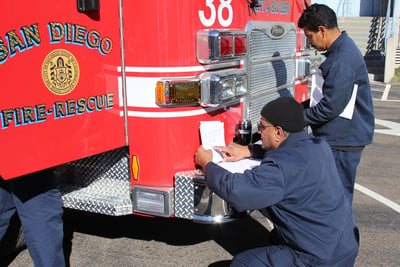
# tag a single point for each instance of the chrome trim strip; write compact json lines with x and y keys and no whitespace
{"x":123,"y":73}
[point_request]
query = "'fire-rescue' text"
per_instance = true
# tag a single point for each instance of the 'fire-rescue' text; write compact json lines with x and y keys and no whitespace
{"x":61,"y":109}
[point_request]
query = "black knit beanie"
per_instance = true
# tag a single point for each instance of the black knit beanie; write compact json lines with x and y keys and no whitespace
{"x":285,"y":112}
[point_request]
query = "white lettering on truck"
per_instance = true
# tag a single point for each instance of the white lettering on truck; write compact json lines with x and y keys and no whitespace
{"x":224,"y":4}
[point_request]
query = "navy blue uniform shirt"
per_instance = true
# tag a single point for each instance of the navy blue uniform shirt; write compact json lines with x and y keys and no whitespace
{"x":344,"y":66}
{"x":299,"y":184}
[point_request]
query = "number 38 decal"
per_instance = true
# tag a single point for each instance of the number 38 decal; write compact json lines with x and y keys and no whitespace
{"x":216,"y":12}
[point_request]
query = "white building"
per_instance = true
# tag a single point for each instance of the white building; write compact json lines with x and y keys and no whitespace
{"x":356,"y":8}
{"x":373,"y":24}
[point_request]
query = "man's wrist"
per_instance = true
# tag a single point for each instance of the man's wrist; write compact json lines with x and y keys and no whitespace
{"x":251,"y":149}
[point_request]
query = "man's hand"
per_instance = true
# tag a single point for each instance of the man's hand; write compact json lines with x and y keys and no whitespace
{"x":234,"y":152}
{"x":203,"y":156}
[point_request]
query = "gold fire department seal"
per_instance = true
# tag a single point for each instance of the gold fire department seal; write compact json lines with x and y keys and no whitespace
{"x":60,"y":72}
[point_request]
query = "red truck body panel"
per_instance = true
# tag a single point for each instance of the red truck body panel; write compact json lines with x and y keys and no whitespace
{"x":79,"y":83}
{"x":41,"y":128}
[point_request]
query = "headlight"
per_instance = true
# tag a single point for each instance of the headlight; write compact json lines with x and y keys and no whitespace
{"x":221,"y":86}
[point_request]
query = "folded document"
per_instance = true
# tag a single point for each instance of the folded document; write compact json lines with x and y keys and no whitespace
{"x":212,"y":134}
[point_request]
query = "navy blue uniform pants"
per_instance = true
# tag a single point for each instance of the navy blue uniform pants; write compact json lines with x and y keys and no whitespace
{"x":38,"y":204}
{"x":273,"y":256}
{"x":346,"y":164}
{"x":283,"y":256}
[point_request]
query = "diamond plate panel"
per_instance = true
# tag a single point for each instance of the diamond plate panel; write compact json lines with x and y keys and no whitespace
{"x":184,"y":194}
{"x":99,"y":184}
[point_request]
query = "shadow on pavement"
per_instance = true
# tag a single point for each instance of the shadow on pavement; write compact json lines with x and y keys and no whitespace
{"x":236,"y":236}
{"x":13,"y":242}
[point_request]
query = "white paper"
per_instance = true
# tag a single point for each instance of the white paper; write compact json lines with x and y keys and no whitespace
{"x":212,"y":134}
{"x":317,"y":95}
{"x":316,"y":89}
{"x":349,"y":109}
{"x":240,"y":166}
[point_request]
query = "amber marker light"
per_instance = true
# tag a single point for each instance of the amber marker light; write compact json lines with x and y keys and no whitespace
{"x":135,"y":167}
{"x":178,"y":93}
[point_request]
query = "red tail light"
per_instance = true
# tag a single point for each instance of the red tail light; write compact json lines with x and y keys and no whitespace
{"x":240,"y":45}
{"x":226,"y":44}
{"x":215,"y":46}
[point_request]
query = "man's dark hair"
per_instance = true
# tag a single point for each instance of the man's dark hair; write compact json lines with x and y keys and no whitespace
{"x":317,"y":15}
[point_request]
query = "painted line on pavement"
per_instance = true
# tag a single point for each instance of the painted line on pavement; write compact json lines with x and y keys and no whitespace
{"x":378,"y":197}
{"x":386,"y":92}
{"x":393,"y":127}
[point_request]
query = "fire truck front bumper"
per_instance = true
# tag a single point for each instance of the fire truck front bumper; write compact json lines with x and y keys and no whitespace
{"x":190,"y":199}
{"x":195,"y":201}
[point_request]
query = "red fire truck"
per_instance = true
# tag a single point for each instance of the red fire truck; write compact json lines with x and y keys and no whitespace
{"x":111,"y":93}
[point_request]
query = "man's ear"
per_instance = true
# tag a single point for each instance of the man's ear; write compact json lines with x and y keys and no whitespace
{"x":279,"y":136}
{"x":279,"y":131}
{"x":323,"y":30}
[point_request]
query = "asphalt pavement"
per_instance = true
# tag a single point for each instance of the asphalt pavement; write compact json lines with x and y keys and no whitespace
{"x":377,"y":198}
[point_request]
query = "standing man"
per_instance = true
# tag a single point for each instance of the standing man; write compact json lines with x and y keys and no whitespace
{"x":297,"y":182}
{"x":344,"y":115}
{"x":38,"y":203}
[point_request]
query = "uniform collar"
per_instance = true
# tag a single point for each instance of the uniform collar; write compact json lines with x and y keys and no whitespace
{"x":292,"y":138}
{"x":336,"y":43}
